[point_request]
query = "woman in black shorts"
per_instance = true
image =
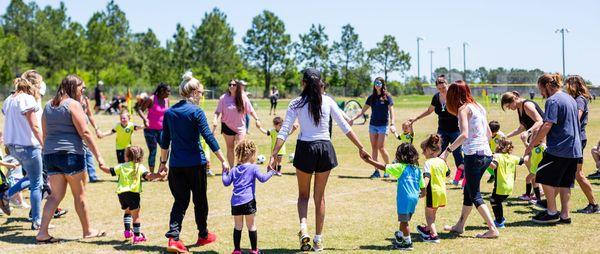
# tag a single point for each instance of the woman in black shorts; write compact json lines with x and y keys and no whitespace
{"x":313,"y":110}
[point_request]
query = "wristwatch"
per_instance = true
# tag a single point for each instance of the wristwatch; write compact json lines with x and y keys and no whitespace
{"x":448,"y":149}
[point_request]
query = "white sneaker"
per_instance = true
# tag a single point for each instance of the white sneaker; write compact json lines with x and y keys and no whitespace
{"x":16,"y":204}
{"x":318,"y":245}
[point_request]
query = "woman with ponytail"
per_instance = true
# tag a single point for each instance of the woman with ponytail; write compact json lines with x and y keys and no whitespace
{"x":530,"y":120}
{"x":233,"y":107}
{"x":183,"y":125}
{"x":314,"y":152}
{"x":562,"y":131}
{"x":577,"y":88}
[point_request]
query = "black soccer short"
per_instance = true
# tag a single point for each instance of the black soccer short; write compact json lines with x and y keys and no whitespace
{"x":315,"y":156}
{"x":557,"y":171}
{"x":244,"y":209}
{"x":129,"y":200}
{"x":226,"y":130}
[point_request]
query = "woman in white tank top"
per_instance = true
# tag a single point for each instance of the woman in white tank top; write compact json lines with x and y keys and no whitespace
{"x":474,"y":138}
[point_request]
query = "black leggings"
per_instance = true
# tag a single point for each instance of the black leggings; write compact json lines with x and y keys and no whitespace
{"x":182,"y":182}
{"x":273,"y":103}
{"x":496,"y":201}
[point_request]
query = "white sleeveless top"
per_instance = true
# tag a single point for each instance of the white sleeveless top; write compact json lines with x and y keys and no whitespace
{"x":478,"y":139}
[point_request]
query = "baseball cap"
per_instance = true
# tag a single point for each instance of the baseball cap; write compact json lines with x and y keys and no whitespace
{"x":311,"y":72}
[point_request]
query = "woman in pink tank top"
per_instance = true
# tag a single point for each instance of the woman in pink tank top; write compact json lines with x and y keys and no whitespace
{"x":157,"y":105}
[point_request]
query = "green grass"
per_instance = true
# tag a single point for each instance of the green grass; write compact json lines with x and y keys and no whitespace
{"x":361,"y":216}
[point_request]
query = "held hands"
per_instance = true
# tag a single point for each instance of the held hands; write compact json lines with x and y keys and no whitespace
{"x":393,"y":129}
{"x":98,"y":134}
{"x":225,"y":166}
{"x":364,"y":155}
{"x":423,"y":193}
{"x":102,"y":165}
{"x":145,"y":122}
{"x":162,"y":169}
{"x":272,"y":163}
{"x":351,"y":122}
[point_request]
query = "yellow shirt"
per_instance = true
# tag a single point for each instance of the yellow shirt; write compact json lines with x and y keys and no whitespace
{"x":506,"y":172}
{"x":495,"y":140}
{"x":124,"y":135}
{"x":273,"y":134}
{"x":437,"y":168}
{"x":130,"y":177}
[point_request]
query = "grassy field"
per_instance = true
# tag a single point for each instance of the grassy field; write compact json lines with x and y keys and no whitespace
{"x":361,"y":213}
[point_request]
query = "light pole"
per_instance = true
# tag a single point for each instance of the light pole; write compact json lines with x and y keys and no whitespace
{"x":431,"y":65}
{"x":562,"y":32}
{"x":419,"y":57}
{"x":449,"y":66}
{"x":465,"y":44}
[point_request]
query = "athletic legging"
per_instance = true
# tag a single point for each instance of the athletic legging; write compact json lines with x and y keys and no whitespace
{"x":496,"y":201}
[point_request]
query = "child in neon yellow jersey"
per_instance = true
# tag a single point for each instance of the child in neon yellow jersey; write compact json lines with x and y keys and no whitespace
{"x":129,"y":187}
{"x":505,"y":167}
{"x":124,"y":130}
{"x":435,"y":172}
{"x":407,"y":134}
{"x":272,"y":133}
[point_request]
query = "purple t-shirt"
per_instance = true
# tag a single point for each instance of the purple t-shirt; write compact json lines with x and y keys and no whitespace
{"x":563,"y":140}
{"x":243,"y":179}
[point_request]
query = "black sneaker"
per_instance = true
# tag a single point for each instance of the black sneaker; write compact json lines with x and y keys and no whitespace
{"x":590,"y":209}
{"x":423,"y":231}
{"x":564,"y":221}
{"x":545,"y":218}
{"x":595,"y":175}
{"x":401,"y":244}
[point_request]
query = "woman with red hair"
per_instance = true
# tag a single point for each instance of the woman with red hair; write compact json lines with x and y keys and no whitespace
{"x":474,"y":139}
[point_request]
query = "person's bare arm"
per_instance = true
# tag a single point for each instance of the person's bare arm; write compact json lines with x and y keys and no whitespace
{"x":141,"y":109}
{"x":533,"y":114}
{"x":362,"y":112}
{"x":33,"y":124}
{"x":515,"y":132}
{"x":463,"y":121}
{"x":425,"y":113}
{"x":538,"y":137}
{"x":392,"y":118}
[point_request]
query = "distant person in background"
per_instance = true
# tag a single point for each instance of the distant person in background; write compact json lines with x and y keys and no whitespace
{"x":98,"y":96}
{"x":577,"y":88}
{"x":273,"y":97}
{"x":381,"y":104}
{"x":531,"y":94}
{"x":157,"y":105}
{"x":447,"y":124}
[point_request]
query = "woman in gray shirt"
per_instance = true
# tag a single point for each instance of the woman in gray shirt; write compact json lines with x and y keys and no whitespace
{"x":65,"y":128}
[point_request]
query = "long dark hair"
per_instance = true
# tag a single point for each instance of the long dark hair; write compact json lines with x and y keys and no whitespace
{"x":68,"y":86}
{"x":161,"y":88}
{"x":312,"y":95}
{"x":407,"y":153}
{"x":384,"y":94}
{"x":576,"y":86}
{"x":239,"y":100}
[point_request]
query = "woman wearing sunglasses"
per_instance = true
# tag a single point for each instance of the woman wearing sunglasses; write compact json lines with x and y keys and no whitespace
{"x":382,"y":116}
{"x":232,"y":108}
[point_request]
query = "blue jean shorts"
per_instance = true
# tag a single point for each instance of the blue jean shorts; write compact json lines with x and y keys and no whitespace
{"x":64,"y":163}
{"x":378,"y":129}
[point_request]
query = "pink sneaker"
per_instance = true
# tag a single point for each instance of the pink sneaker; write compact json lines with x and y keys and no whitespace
{"x":278,"y":173}
{"x":139,"y":239}
{"x":256,"y":252}
{"x":128,"y":234}
{"x":237,"y":252}
{"x":524,"y":197}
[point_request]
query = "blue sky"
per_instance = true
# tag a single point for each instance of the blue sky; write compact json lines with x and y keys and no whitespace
{"x":509,"y":33}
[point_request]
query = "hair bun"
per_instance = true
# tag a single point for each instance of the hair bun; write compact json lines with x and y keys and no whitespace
{"x":187,"y":76}
{"x":516,"y":93}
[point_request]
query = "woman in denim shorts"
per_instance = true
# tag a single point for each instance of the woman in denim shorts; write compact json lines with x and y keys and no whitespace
{"x":65,"y":128}
{"x":382,"y":114}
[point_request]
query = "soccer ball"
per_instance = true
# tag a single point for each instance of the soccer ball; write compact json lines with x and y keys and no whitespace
{"x":291,"y":157}
{"x":261,"y":159}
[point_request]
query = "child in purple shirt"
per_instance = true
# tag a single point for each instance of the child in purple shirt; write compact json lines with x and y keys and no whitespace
{"x":243,"y":203}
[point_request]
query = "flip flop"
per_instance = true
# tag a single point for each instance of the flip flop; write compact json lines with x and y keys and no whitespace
{"x":99,"y":234}
{"x":50,"y":240}
{"x":451,"y":230}
{"x":484,"y":236}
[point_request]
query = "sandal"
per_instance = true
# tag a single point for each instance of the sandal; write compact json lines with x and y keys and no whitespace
{"x":99,"y":234}
{"x":487,"y":235}
{"x":50,"y":240}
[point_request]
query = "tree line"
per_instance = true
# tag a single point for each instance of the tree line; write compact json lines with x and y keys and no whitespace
{"x":105,"y":48}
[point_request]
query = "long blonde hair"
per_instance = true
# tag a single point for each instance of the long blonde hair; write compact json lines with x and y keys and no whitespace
{"x":36,"y":81}
{"x":23,"y":85}
{"x":134,"y":154}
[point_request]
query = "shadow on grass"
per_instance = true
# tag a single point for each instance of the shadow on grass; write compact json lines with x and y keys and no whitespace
{"x":527,"y":223}
{"x":279,"y":250}
{"x":289,"y":174}
{"x":19,"y":238}
{"x":377,"y":247}
{"x":354,"y":177}
{"x":15,"y":219}
{"x":123,"y":245}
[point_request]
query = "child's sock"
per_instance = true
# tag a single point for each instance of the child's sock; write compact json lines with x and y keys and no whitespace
{"x":537,"y":193}
{"x":303,"y":226}
{"x":279,"y":168}
{"x":407,"y":239}
{"x":237,"y":237}
{"x":317,"y":238}
{"x":253,"y":239}
{"x":528,"y":189}
{"x":136,"y":229}
{"x":498,"y":212}
{"x":127,"y":221}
